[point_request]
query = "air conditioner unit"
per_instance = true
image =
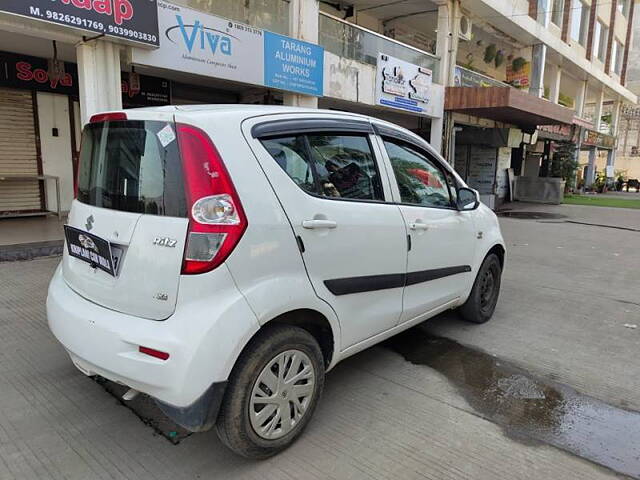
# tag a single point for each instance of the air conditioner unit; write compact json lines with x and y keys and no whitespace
{"x":464,"y":28}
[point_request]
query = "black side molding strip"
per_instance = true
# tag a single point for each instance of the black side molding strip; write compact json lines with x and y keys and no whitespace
{"x":428,"y":275}
{"x":371,"y":283}
{"x":345,"y":286}
{"x":276,"y":128}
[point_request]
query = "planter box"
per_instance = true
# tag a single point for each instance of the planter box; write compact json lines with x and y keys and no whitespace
{"x":539,"y":189}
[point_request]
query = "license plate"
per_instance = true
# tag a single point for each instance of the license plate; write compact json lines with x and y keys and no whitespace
{"x":90,"y":248}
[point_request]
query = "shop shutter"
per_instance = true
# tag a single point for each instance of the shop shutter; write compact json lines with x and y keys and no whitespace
{"x":18,"y":152}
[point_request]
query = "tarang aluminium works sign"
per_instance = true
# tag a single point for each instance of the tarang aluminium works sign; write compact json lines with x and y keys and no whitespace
{"x":408,"y":87}
{"x":132,"y":20}
{"x":192,"y":41}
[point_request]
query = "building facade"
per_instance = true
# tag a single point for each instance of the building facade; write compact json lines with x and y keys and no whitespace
{"x":493,"y":84}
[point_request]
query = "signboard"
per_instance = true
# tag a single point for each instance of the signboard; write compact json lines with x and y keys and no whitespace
{"x":597,"y":139}
{"x":293,"y":65}
{"x":564,"y":132}
{"x":196,"y":42}
{"x":404,"y":86}
{"x":482,"y":169}
{"x":133,"y":20}
{"x":502,"y":179}
{"x":32,"y":73}
{"x":468,"y":78}
{"x":518,"y":78}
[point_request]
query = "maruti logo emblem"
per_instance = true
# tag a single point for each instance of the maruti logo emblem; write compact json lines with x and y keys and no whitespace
{"x":89,"y":223}
{"x":203,"y":37}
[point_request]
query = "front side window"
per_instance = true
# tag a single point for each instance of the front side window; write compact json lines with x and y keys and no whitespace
{"x":419,"y":180}
{"x":329,"y":165}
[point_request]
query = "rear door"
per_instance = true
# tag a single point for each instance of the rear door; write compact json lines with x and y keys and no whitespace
{"x":131,"y":194}
{"x":443,"y":239}
{"x":325,"y":173}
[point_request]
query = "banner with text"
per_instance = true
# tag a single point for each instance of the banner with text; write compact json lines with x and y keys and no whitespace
{"x":406,"y":86}
{"x":195,"y":42}
{"x":133,"y":20}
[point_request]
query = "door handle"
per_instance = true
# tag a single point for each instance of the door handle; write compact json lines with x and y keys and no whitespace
{"x":315,"y":224}
{"x":418,"y":226}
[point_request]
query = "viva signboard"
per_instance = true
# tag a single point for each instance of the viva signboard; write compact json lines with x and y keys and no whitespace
{"x":133,"y":20}
{"x":194,"y":42}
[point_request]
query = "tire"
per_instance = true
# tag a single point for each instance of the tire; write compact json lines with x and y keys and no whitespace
{"x":483,"y":298}
{"x":240,"y":425}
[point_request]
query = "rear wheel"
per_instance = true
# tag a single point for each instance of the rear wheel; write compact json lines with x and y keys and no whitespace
{"x":482,"y":301}
{"x":272,"y":393}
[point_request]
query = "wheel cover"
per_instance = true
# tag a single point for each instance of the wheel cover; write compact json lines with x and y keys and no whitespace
{"x":282,"y":394}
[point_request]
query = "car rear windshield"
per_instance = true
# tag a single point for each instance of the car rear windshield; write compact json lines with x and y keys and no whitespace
{"x":132,"y":166}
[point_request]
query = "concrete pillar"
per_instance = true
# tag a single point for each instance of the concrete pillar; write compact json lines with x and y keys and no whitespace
{"x":443,"y":40}
{"x":99,"y":77}
{"x":597,"y":115}
{"x":437,"y":125}
{"x":554,"y":85}
{"x":538,"y":59}
{"x":581,"y":96}
{"x":454,"y":20}
{"x":615,"y":118}
{"x":591,"y":168}
{"x":303,"y":25}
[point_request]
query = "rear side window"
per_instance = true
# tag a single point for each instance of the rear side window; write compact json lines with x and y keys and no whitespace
{"x":334,"y":166}
{"x":132,"y":166}
{"x":420,"y":181}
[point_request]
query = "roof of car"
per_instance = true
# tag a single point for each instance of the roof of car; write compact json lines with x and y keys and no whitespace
{"x":239,"y":108}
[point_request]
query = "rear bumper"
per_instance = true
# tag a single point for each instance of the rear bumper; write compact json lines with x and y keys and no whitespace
{"x":204,"y":337}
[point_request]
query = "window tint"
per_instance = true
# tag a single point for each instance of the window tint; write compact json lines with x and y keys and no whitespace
{"x":336,"y":166}
{"x":419,"y":180}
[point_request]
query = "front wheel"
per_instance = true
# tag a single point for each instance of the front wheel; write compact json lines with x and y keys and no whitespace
{"x":272,"y":392}
{"x":483,"y":298}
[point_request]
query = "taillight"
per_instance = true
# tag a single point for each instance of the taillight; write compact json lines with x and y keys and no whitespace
{"x":108,"y":117}
{"x":216,"y":218}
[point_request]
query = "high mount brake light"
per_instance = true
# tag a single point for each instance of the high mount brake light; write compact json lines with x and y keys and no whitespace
{"x":216,"y":218}
{"x":108,"y":117}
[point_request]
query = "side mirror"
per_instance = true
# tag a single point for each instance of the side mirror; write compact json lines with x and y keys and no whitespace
{"x":468,"y":199}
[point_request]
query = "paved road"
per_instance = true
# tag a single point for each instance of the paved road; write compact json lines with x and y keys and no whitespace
{"x":568,"y":291}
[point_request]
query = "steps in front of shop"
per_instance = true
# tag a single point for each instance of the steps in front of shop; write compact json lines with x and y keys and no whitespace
{"x":29,"y":251}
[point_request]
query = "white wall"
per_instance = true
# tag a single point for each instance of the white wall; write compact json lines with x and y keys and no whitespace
{"x":53,"y":112}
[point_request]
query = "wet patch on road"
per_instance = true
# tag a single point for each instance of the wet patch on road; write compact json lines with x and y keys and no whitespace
{"x":530,"y":409}
{"x":530,"y":215}
{"x":145,"y":408}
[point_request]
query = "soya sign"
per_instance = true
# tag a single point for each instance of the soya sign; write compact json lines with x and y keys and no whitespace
{"x":133,"y":20}
{"x":195,"y":42}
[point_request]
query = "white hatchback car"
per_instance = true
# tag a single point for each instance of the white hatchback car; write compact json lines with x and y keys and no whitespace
{"x":221,"y":259}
